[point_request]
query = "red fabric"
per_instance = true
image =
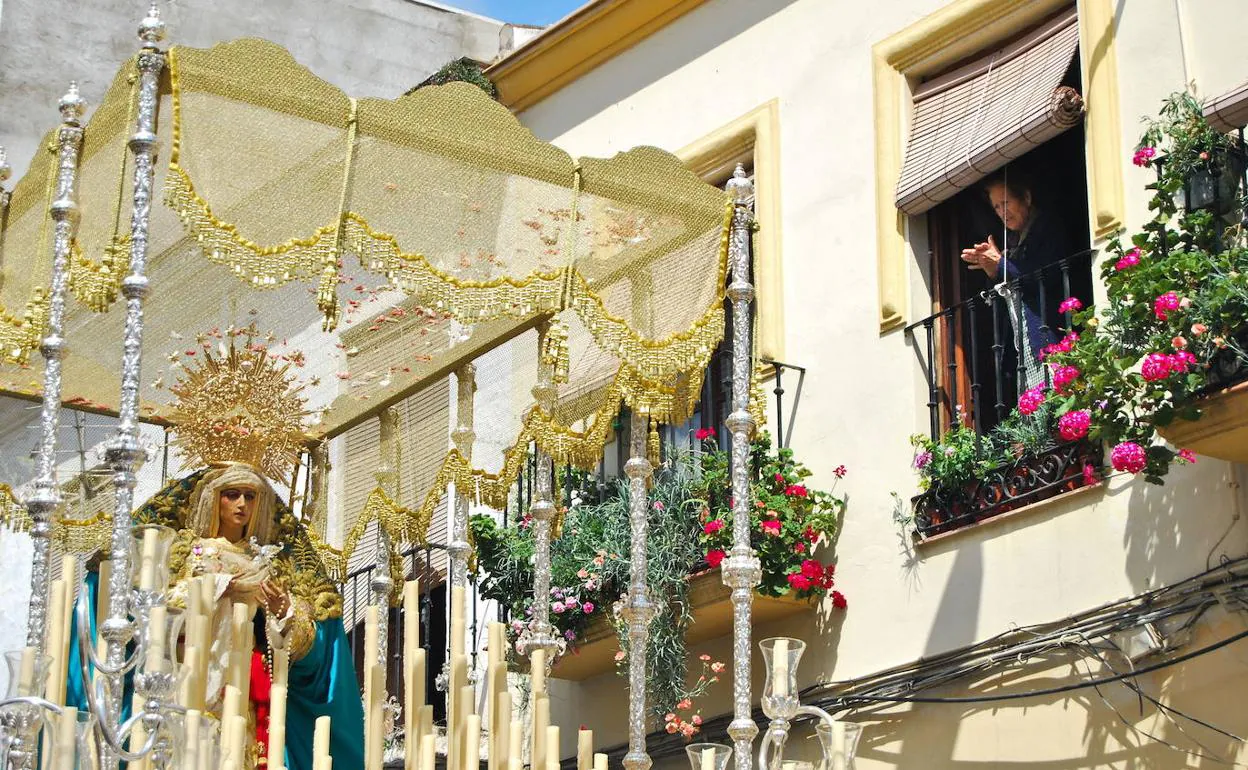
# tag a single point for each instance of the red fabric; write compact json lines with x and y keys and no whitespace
{"x":260,"y":686}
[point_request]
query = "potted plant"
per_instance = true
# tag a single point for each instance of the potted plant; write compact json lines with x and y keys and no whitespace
{"x":1175,"y":324}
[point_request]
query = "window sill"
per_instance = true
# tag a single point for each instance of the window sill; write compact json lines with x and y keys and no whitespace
{"x":923,"y":543}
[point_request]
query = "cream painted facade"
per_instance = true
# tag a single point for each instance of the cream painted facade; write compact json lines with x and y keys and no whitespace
{"x":865,"y":394}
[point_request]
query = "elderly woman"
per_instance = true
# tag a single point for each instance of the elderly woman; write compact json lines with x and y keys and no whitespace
{"x":1033,"y":240}
{"x":233,"y":527}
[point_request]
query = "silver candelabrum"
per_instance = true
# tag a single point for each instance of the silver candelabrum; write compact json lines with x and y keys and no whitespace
{"x":781,"y":704}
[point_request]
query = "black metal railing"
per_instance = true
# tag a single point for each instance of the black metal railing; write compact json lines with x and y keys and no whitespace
{"x":982,"y":334}
{"x":356,"y":590}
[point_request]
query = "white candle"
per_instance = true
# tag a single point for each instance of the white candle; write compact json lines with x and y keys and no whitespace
{"x":26,"y":675}
{"x":500,"y":728}
{"x":320,"y":739}
{"x":66,"y":746}
{"x":515,"y":735}
{"x":457,"y":620}
{"x":231,"y":708}
{"x":552,"y":747}
{"x":190,"y":756}
{"x":708,"y":759}
{"x":277,"y":725}
{"x":373,"y":726}
{"x":428,"y":751}
{"x":585,"y":750}
{"x":780,"y":668}
{"x":411,"y":650}
{"x":600,"y":762}
{"x":541,"y":720}
{"x":147,"y":563}
{"x":156,"y":633}
{"x":537,"y":667}
{"x":239,"y":735}
{"x":472,"y":742}
{"x":370,"y":659}
{"x":467,"y":711}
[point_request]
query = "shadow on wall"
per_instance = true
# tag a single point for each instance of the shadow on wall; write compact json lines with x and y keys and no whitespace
{"x":703,"y":30}
{"x":1177,"y":530}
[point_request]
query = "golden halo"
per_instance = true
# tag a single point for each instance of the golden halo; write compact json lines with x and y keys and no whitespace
{"x":240,"y":407}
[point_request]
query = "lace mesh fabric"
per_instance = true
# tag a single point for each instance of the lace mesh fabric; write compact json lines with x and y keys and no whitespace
{"x":434,"y":229}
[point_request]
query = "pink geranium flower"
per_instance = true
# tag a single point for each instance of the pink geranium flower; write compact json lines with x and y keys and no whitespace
{"x":1165,"y":304}
{"x":1129,"y":259}
{"x":1156,"y":366}
{"x":1074,"y":425}
{"x":1129,"y":457}
{"x":1031,"y":399}
{"x":1187,"y":456}
{"x":1144,"y":156}
{"x":712,"y":526}
{"x":1063,"y":376}
{"x":1070,"y":305}
{"x":771,"y":527}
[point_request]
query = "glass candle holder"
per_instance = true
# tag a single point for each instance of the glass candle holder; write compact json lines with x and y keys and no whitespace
{"x":708,"y":756}
{"x":840,"y":743}
{"x":781,"y":655}
{"x":72,"y":740}
{"x":149,"y":556}
{"x":28,"y":672}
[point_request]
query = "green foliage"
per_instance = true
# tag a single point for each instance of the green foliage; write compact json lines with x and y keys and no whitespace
{"x":1143,"y":364}
{"x":590,"y":564}
{"x":788,"y":519}
{"x":462,"y":70}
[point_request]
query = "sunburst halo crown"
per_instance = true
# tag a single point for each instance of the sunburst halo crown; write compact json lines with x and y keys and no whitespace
{"x":239,"y":407}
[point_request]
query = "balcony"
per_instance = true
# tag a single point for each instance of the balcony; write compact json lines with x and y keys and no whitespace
{"x":712,"y":619}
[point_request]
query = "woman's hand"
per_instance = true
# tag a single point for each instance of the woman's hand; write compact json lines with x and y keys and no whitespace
{"x":276,"y":601}
{"x":983,"y":256}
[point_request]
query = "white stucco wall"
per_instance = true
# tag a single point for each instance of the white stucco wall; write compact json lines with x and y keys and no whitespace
{"x":863,"y":394}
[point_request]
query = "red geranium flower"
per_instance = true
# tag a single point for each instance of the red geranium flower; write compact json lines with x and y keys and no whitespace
{"x":703,"y":434}
{"x":795,"y":490}
{"x":714,"y":557}
{"x":799,"y":582}
{"x":838,"y":600}
{"x":771,"y":527}
{"x":713,"y":526}
{"x":812,"y":569}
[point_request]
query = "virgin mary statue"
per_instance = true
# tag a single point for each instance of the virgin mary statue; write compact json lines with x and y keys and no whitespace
{"x":232,"y":526}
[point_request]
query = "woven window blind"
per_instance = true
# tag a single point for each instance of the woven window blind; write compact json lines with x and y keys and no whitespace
{"x":974,"y":120}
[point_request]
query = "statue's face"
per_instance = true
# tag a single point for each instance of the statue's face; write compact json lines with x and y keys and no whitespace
{"x":236,"y":507}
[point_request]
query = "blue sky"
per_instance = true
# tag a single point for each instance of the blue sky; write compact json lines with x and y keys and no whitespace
{"x":536,"y":12}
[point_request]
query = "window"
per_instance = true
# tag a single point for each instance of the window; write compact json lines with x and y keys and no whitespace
{"x":996,"y":162}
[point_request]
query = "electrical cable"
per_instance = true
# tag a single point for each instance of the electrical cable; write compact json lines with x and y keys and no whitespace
{"x":1051,"y":690}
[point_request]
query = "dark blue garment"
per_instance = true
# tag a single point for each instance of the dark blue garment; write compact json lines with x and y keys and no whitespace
{"x":1043,"y":245}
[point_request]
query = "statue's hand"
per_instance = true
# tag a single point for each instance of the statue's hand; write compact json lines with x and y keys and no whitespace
{"x":276,"y":600}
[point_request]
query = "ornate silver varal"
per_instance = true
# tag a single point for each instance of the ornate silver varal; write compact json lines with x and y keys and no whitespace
{"x":387,"y":476}
{"x":741,"y":570}
{"x":124,"y":452}
{"x":463,"y":437}
{"x":540,"y":633}
{"x":638,"y":610}
{"x":45,"y":496}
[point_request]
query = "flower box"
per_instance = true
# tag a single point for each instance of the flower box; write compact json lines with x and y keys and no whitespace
{"x":1029,"y":479}
{"x":712,"y":618}
{"x":1221,"y":431}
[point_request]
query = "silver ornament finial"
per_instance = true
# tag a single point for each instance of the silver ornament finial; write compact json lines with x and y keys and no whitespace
{"x":740,"y":185}
{"x":152,"y":28}
{"x":71,"y":104}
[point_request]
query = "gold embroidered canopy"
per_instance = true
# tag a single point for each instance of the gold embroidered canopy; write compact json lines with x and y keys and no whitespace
{"x":383,"y":244}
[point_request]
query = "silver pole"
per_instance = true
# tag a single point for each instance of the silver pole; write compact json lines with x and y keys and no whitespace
{"x":45,"y":497}
{"x":463,"y":437}
{"x":639,"y":611}
{"x":741,"y":570}
{"x":124,"y":452}
{"x":382,"y":584}
{"x":540,"y":634}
